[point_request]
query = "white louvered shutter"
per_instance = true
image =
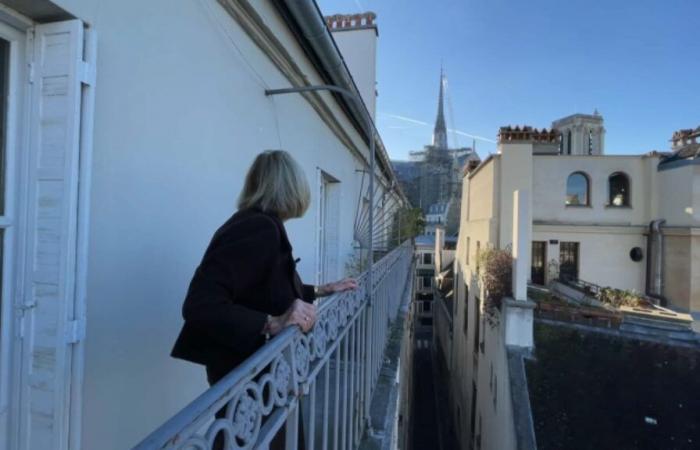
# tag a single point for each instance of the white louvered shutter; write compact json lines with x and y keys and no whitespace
{"x":50,"y":327}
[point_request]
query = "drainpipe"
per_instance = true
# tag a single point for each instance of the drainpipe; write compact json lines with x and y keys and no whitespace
{"x":655,"y":260}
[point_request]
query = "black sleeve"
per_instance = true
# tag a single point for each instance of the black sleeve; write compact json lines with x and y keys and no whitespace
{"x":308,"y":292}
{"x":238,"y":261}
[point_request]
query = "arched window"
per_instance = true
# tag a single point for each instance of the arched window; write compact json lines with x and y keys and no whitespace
{"x":568,"y":142}
{"x":577,"y":190}
{"x":619,"y":189}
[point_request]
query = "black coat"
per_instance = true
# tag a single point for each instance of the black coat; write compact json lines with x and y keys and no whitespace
{"x":247,"y":272}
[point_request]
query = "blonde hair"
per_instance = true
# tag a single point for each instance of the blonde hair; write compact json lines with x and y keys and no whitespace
{"x":276,"y":184}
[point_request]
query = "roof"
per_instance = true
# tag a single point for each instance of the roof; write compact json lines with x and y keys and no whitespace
{"x":437,"y":208}
{"x":425,"y":240}
{"x":593,"y":390}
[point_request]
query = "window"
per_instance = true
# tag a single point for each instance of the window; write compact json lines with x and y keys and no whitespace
{"x":568,"y":261}
{"x":6,"y":215}
{"x":478,"y":250}
{"x":577,"y":190}
{"x":427,"y":258}
{"x":477,"y":320}
{"x":619,"y":189}
{"x":472,"y":421}
{"x":590,"y":142}
{"x":568,"y":142}
{"x":466,"y":309}
{"x":427,"y":282}
{"x":328,"y":228}
{"x":539,"y":261}
{"x":467,"y":259}
{"x":495,"y":393}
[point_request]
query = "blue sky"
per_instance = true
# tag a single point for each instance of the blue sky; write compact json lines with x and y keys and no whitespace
{"x":512,"y":62}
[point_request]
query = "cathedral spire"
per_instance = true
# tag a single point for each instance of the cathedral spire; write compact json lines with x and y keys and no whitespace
{"x":440,"y":132}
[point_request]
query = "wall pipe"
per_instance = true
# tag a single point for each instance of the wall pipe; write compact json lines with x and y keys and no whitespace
{"x":655,"y":260}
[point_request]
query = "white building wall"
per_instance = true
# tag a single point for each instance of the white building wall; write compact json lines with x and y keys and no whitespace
{"x":180,"y":115}
{"x":604,"y":253}
{"x":550,"y":174}
{"x":680,"y":205}
{"x":359,"y":49}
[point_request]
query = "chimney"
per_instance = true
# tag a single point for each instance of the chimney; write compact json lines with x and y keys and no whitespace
{"x":356,"y":38}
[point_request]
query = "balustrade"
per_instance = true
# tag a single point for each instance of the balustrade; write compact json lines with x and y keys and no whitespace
{"x":314,"y":388}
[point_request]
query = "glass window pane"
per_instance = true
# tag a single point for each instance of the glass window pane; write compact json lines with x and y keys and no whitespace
{"x":577,"y":189}
{"x":619,"y":189}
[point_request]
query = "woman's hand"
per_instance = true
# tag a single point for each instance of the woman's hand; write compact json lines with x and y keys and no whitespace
{"x":346,"y":284}
{"x":300,"y":313}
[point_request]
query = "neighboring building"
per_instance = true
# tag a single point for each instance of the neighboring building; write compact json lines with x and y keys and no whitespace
{"x":432,"y":177}
{"x":436,"y":216}
{"x":425,"y":266}
{"x":569,"y":213}
{"x":624,"y":221}
{"x":122,"y":155}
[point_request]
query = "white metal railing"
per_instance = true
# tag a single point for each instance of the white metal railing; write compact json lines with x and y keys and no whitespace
{"x":310,"y":390}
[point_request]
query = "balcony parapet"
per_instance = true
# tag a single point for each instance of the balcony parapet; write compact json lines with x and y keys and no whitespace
{"x":316,"y":386}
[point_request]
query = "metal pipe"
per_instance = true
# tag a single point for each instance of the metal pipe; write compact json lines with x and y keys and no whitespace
{"x":659,"y":257}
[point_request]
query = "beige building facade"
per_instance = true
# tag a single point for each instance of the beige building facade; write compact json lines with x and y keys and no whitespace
{"x":626,"y":221}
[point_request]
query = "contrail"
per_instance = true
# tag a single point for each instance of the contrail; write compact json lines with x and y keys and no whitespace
{"x":420,"y":122}
{"x":406,"y":119}
{"x":359,"y":5}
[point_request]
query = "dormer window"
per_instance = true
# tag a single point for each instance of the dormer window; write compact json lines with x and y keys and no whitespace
{"x":619,"y":189}
{"x":577,"y":190}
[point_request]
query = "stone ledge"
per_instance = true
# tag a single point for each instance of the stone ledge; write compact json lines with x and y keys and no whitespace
{"x":526,"y":304}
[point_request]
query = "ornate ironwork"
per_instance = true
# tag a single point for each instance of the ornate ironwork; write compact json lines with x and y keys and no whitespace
{"x":261,"y":398}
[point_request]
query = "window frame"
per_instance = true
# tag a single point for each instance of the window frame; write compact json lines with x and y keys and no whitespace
{"x":627,"y":200}
{"x":587,"y":204}
{"x":15,"y":144}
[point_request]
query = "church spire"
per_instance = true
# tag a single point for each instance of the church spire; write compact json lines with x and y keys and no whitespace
{"x":440,"y":132}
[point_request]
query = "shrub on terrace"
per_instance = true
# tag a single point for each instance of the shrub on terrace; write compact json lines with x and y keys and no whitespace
{"x":619,"y":297}
{"x":496,"y":273}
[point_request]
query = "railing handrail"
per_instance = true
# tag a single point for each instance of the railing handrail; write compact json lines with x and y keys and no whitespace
{"x":188,"y":420}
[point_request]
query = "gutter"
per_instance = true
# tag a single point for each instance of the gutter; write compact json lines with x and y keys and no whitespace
{"x":309,"y":26}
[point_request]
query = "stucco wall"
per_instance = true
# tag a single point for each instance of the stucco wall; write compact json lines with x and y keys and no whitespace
{"x":480,"y":202}
{"x":680,"y":195}
{"x":180,"y":115}
{"x":516,"y":173}
{"x":550,"y":174}
{"x":681,"y":269}
{"x":604,"y":253}
{"x":359,"y":49}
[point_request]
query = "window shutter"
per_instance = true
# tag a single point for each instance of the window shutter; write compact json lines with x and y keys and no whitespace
{"x":52,"y":324}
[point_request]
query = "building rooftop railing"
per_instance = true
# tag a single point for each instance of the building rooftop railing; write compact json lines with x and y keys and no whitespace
{"x":310,"y":391}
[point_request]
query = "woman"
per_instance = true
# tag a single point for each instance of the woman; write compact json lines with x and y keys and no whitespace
{"x":247,"y":287}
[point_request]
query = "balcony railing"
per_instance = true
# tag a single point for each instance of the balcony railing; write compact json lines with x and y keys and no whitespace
{"x":312,"y":390}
